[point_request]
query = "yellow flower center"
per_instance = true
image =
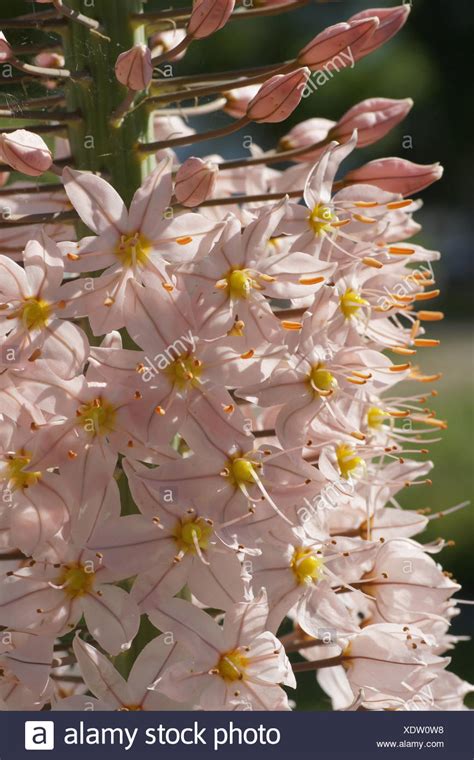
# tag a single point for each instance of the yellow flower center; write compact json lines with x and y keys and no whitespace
{"x":185,"y":370}
{"x":321,"y":379}
{"x":232,"y":665}
{"x":133,"y":249}
{"x":191,"y":532}
{"x":17,"y":478}
{"x":320,"y":219}
{"x":77,"y":581}
{"x":306,"y":566}
{"x":35,"y":313}
{"x":241,"y":471}
{"x":376,"y":417}
{"x":98,"y":417}
{"x":239,"y":283}
{"x":348,"y":461}
{"x":351,"y":302}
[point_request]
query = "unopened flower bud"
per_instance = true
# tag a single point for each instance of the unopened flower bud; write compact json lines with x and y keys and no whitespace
{"x":195,"y":181}
{"x":209,"y":16}
{"x":308,"y":132}
{"x":134,"y":68}
{"x":340,"y":45}
{"x":50,"y":60}
{"x":391,"y":21}
{"x":395,"y":175}
{"x":238,"y":100}
{"x":373,"y":118}
{"x":5,"y":49}
{"x":25,"y":152}
{"x":278,"y":97}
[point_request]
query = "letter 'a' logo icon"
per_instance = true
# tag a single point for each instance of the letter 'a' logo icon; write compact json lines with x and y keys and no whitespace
{"x":39,"y":734}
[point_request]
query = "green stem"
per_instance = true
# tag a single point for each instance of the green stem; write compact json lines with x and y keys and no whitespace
{"x":257,"y":198}
{"x":59,"y":217}
{"x":274,"y":157}
{"x":201,"y":92}
{"x":304,"y":667}
{"x":207,"y":78}
{"x":147,"y":148}
{"x":60,"y":116}
{"x":97,"y":143}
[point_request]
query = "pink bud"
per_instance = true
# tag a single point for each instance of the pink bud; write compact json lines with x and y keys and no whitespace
{"x":25,"y":152}
{"x":195,"y":181}
{"x":50,"y":60}
{"x":340,"y":44}
{"x":278,"y":98}
{"x":5,"y":49}
{"x":391,"y":21}
{"x":395,"y":175}
{"x":134,"y":68}
{"x":209,"y":16}
{"x":373,"y":119}
{"x":308,"y":132}
{"x":238,"y":100}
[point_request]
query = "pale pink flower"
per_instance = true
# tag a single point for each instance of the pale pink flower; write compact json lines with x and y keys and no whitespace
{"x":50,"y":597}
{"x":316,"y":371}
{"x":183,"y":377}
{"x":31,"y":311}
{"x":25,"y":666}
{"x":407,"y":584}
{"x":447,"y":692}
{"x":111,"y":691}
{"x":249,"y":491}
{"x":344,"y":223}
{"x":136,"y":244}
{"x":384,"y":665}
{"x":37,"y":503}
{"x":239,"y":662}
{"x":175,"y":547}
{"x":299,"y":575}
{"x":90,"y":423}
{"x":229,"y":287}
